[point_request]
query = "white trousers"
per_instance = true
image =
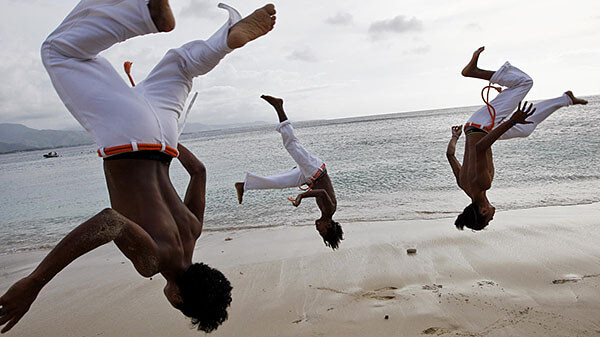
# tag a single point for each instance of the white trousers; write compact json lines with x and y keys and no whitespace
{"x":518,"y":85}
{"x":118,"y":117}
{"x":309,"y":167}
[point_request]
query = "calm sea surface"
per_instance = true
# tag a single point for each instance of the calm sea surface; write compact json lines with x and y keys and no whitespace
{"x":383,"y":167}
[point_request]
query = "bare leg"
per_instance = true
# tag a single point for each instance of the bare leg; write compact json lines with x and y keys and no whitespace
{"x":277,"y":103}
{"x":161,"y":15}
{"x":574,"y":99}
{"x":471,"y":69}
{"x":239,"y":187}
{"x":251,"y":27}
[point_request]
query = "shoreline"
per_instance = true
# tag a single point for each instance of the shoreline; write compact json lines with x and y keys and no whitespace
{"x":45,"y":248}
{"x":534,"y":270}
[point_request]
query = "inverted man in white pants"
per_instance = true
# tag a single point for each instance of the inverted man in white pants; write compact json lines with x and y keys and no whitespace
{"x":137,"y":135}
{"x":309,"y":171}
{"x":476,"y":173}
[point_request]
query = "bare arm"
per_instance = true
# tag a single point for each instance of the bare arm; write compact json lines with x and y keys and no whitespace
{"x":320,"y":194}
{"x":106,"y":226}
{"x":195,"y":195}
{"x":519,"y":117}
{"x":450,"y":152}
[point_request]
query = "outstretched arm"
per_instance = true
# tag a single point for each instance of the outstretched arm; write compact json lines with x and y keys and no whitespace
{"x":519,"y":117}
{"x":320,"y":194}
{"x":450,"y":152}
{"x":195,"y":195}
{"x":106,"y":226}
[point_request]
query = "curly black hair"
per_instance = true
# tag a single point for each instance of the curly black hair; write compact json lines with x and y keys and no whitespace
{"x":334,"y":235}
{"x":206,"y":294}
{"x":471,"y":218}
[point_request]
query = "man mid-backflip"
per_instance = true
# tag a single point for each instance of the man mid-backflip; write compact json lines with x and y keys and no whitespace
{"x":137,"y":133}
{"x":476,"y":173}
{"x":310,"y":171}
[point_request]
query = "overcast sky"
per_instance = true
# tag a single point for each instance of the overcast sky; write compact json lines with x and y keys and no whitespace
{"x":328,"y":58}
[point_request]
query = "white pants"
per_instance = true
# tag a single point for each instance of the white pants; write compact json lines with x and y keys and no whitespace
{"x":309,"y":167}
{"x":118,"y":117}
{"x":518,"y":85}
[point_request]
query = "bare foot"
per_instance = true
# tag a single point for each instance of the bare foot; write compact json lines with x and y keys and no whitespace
{"x":471,"y":68}
{"x":574,"y":99}
{"x":252,"y":27}
{"x":161,"y":15}
{"x":277,"y":103}
{"x":239,"y":187}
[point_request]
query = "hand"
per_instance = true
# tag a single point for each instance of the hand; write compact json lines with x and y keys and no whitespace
{"x":457,"y":131}
{"x":15,"y":303}
{"x":520,"y":116}
{"x":296,"y":202}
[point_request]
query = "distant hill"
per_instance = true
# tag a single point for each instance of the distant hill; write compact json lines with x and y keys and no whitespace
{"x":17,"y":137}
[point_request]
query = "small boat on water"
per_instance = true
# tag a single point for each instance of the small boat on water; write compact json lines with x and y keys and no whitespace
{"x":50,"y":155}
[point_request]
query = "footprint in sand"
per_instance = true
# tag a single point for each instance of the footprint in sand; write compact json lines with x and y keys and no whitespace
{"x":436,"y":331}
{"x":487,"y":283}
{"x":568,"y":279}
{"x":573,"y":278}
{"x":433,"y":287}
{"x":381,"y":294}
{"x":332,"y":290}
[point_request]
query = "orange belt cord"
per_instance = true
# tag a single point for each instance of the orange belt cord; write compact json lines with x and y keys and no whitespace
{"x":486,"y":100}
{"x":127,"y":66}
{"x":318,"y":174}
{"x":309,"y":187}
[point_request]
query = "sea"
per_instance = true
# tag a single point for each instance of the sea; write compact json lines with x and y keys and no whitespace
{"x":383,"y":167}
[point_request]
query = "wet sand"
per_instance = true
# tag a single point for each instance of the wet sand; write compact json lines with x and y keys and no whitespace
{"x":533,"y":272}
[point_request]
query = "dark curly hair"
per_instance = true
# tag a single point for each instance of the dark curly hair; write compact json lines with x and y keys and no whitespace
{"x":206,"y":294}
{"x":334,"y":235}
{"x":471,"y":218}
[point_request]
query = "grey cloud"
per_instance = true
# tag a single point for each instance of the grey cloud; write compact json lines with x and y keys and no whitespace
{"x":419,"y":50}
{"x":33,"y":115}
{"x":398,"y":25}
{"x":305,"y":54}
{"x":473,"y":26}
{"x":340,"y":18}
{"x":310,"y":89}
{"x":25,"y":90}
{"x":217,"y":91}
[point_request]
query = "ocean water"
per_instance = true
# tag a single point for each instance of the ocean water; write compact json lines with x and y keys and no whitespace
{"x":383,"y":167}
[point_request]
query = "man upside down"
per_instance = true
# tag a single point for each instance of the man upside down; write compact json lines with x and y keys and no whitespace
{"x":136,"y":131}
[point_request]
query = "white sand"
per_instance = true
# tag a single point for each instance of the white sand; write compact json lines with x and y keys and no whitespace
{"x":498,"y":282}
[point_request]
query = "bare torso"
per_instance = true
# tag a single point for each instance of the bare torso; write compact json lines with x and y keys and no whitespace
{"x":477,"y":171}
{"x":324,"y":183}
{"x":141,"y":190}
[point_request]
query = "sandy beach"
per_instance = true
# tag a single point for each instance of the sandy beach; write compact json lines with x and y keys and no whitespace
{"x":533,"y":272}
